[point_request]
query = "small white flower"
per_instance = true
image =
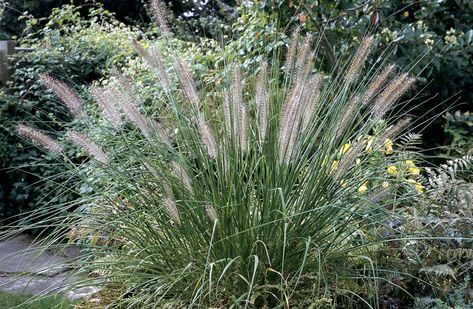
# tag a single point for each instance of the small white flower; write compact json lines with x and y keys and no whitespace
{"x":420,"y":24}
{"x":429,"y":42}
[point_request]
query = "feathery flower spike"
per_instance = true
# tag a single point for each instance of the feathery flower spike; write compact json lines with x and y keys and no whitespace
{"x":155,"y":61}
{"x":39,"y":138}
{"x":304,"y":60}
{"x":88,"y":145}
{"x":347,"y":116}
{"x":227,"y":114}
{"x":159,"y":14}
{"x":211,"y":212}
{"x":392,"y":132}
{"x":129,"y":108}
{"x":239,"y":110}
{"x":187,"y":82}
{"x":262,"y":99}
{"x":298,"y":113}
{"x":207,"y":136}
{"x":289,"y":123}
{"x":162,"y":132}
{"x":169,"y":202}
{"x":171,"y":208}
{"x":377,"y":84}
{"x":68,"y":97}
{"x":315,"y":84}
{"x":393,"y":92}
{"x":182,"y":175}
{"x":359,"y":58}
{"x":152,"y":170}
{"x":188,"y":85}
{"x":291,"y":52}
{"x":102,"y":97}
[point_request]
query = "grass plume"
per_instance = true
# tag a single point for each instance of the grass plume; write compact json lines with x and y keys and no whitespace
{"x":291,"y":52}
{"x":262,"y":99}
{"x":187,"y":82}
{"x":391,"y":94}
{"x":125,"y":100}
{"x":158,"y":9}
{"x":359,"y":58}
{"x":39,"y":138}
{"x":67,"y":96}
{"x":377,"y":84}
{"x":154,"y":60}
{"x":88,"y":145}
{"x":239,"y":109}
{"x":103,"y":98}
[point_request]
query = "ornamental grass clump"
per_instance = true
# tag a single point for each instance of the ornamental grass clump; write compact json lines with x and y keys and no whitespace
{"x":271,"y":192}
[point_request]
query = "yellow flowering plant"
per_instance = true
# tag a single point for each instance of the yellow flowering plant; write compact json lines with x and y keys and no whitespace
{"x":399,"y":170}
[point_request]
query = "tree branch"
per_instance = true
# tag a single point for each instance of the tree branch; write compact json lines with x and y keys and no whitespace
{"x":332,"y":59}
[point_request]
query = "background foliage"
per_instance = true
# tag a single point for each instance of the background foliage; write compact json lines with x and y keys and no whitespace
{"x":69,"y":47}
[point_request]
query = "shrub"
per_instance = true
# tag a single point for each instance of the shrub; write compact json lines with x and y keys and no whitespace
{"x":457,"y":299}
{"x":458,"y":126}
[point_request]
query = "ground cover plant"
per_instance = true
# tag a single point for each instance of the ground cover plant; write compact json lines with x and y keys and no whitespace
{"x":286,"y":189}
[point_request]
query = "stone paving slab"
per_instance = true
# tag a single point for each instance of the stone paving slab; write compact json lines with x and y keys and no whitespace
{"x":17,"y":255}
{"x":28,"y":269}
{"x":35,"y":285}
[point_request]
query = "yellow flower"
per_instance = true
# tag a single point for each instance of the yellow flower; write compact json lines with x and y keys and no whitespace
{"x":412,"y":168}
{"x":388,"y":146}
{"x":385,"y":184}
{"x":416,"y":185}
{"x":415,"y":171}
{"x":363,"y":188}
{"x":392,"y":169}
{"x":344,"y":148}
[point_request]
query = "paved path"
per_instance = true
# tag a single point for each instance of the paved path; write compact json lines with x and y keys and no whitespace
{"x":25,"y":268}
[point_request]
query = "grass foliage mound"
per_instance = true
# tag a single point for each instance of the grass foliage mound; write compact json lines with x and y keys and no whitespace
{"x":279,"y":190}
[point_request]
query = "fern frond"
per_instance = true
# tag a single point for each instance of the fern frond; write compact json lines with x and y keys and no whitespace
{"x":410,"y":141}
{"x":439,"y":270}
